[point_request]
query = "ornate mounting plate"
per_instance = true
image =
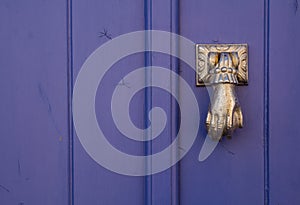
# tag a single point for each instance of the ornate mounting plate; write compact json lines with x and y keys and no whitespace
{"x":207,"y":56}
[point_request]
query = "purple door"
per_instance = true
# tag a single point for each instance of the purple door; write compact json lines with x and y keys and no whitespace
{"x":47,"y":45}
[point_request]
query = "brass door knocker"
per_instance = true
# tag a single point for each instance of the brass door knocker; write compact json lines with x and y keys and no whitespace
{"x":222,"y":67}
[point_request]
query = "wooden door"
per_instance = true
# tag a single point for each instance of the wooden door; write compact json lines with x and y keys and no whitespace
{"x":44,"y":45}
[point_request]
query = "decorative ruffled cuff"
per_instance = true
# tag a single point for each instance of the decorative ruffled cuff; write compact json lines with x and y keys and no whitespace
{"x":224,"y":75}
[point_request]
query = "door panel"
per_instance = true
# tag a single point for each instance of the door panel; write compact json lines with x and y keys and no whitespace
{"x":284,"y":102}
{"x":95,"y":23}
{"x":234,"y":173}
{"x":34,"y":103}
{"x":165,"y":184}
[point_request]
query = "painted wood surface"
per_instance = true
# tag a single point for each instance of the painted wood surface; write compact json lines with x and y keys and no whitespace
{"x":45,"y":43}
{"x":165,"y":185}
{"x":34,"y":103}
{"x":94,"y":184}
{"x":234,"y":173}
{"x":284,"y":142}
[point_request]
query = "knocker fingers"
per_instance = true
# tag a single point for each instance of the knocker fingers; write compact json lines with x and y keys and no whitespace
{"x":216,"y":124}
{"x":238,"y":117}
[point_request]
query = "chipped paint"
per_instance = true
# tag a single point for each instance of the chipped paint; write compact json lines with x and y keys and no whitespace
{"x":105,"y":34}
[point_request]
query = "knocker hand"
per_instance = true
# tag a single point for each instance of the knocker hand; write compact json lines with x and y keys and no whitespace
{"x":224,"y":114}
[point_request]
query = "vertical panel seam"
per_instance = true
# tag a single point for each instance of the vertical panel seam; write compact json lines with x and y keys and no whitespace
{"x":266,"y":100}
{"x":148,"y":98}
{"x":174,"y":28}
{"x":70,"y":93}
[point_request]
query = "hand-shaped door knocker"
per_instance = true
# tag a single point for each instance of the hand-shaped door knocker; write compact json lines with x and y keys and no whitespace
{"x":222,"y":67}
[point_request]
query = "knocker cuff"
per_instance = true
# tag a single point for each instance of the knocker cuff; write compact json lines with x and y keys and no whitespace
{"x":224,"y":78}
